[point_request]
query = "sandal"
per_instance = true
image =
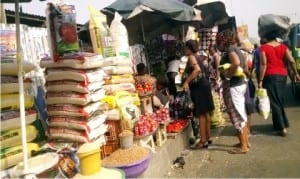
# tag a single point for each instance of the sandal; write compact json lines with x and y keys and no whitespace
{"x":209,"y":141}
{"x":199,"y":145}
{"x":237,"y":151}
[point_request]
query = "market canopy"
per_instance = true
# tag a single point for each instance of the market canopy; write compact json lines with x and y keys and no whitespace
{"x":145,"y":19}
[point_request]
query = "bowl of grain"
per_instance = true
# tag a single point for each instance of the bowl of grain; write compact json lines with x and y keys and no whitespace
{"x":133,"y":161}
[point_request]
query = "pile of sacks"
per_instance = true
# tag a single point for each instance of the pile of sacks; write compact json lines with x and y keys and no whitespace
{"x":11,"y":135}
{"x":74,"y":86}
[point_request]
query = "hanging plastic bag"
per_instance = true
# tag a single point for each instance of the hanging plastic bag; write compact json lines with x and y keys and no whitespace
{"x":263,"y":103}
{"x":187,"y":104}
{"x":119,"y":36}
{"x":100,"y":37}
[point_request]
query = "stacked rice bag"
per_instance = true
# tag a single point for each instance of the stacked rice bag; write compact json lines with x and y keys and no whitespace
{"x":11,"y":136}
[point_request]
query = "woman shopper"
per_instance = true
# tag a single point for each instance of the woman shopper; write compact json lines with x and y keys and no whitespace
{"x":273,"y":77}
{"x":234,"y":88}
{"x":195,"y":80}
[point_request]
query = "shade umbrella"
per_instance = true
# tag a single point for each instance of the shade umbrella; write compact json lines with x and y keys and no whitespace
{"x":145,"y":19}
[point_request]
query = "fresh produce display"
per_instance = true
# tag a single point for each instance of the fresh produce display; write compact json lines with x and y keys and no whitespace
{"x":161,"y":115}
{"x":176,"y":126}
{"x":146,"y":125}
{"x":144,"y":88}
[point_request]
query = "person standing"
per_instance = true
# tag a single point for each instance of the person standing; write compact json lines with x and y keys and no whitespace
{"x":195,"y":80}
{"x":172,"y":71}
{"x":234,"y":88}
{"x":273,"y":77}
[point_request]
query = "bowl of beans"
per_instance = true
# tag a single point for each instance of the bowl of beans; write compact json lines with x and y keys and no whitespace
{"x":133,"y":161}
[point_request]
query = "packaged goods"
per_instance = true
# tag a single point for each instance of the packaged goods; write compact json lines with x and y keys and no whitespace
{"x":119,"y":87}
{"x":120,"y":99}
{"x":13,"y":155}
{"x":74,"y":98}
{"x":123,"y":157}
{"x":130,"y":114}
{"x":115,"y":79}
{"x":86,"y":76}
{"x":13,"y":137}
{"x":9,"y":66}
{"x":117,"y":61}
{"x":75,"y":110}
{"x":119,"y":36}
{"x":101,"y":40}
{"x":263,"y":103}
{"x":118,"y":70}
{"x":73,"y":135}
{"x":8,"y":44}
{"x":80,"y":60}
{"x":9,"y":84}
{"x":75,"y":86}
{"x":62,"y":29}
{"x":113,"y":114}
{"x":11,"y":101}
{"x":76,"y":123}
{"x":11,"y":119}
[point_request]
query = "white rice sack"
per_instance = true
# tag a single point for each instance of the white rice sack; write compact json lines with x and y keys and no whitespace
{"x":119,"y":87}
{"x":10,"y":84}
{"x":116,"y":79}
{"x":68,"y":110}
{"x":113,"y":114}
{"x":73,"y":135}
{"x":11,"y":119}
{"x":75,"y":123}
{"x":87,"y":76}
{"x":10,"y":67}
{"x":263,"y":103}
{"x":74,"y":98}
{"x":13,"y":137}
{"x":117,"y":61}
{"x":75,"y":86}
{"x":76,"y":61}
{"x":118,"y":70}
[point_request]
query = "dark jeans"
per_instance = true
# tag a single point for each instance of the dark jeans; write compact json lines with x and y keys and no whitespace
{"x":275,"y":85}
{"x":172,"y":86}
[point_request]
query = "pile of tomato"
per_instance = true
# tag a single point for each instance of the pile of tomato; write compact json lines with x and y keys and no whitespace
{"x":176,"y":126}
{"x":143,"y":88}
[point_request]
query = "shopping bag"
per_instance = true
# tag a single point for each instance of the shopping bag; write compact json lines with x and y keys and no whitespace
{"x":187,"y":104}
{"x":263,"y":103}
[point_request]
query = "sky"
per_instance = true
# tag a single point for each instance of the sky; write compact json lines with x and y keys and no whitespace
{"x":245,"y":11}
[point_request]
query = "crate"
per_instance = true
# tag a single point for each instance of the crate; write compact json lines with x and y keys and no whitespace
{"x":108,"y":149}
{"x":114,"y":129}
{"x":146,"y":105}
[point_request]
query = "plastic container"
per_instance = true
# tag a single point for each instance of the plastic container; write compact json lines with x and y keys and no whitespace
{"x":43,"y":166}
{"x":126,"y":139}
{"x":135,"y":169}
{"x":89,"y":156}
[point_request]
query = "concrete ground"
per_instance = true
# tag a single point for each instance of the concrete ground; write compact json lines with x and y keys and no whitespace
{"x":270,"y":156}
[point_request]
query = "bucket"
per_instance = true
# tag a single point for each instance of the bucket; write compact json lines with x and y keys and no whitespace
{"x":126,"y":139}
{"x":89,"y":157}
